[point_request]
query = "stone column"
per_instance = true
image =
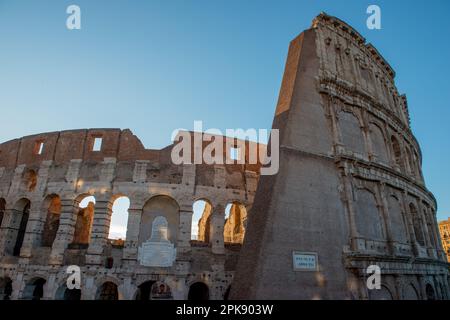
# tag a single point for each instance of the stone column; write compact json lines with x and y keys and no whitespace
{"x":422,"y":288}
{"x":421,"y":213}
{"x":33,"y":230}
{"x":348,"y":195}
{"x":184,"y":230}
{"x":216,"y":229}
{"x":100,"y":230}
{"x":49,"y":287}
{"x":410,"y":223}
{"x":88,"y":287}
{"x":5,"y":231}
{"x":64,"y":236}
{"x":9,"y":230}
{"x":17,"y":286}
{"x":130,"y":249}
{"x":384,"y":207}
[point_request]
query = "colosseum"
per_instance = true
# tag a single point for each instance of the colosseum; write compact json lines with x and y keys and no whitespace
{"x":349,"y":194}
{"x":43,"y":181}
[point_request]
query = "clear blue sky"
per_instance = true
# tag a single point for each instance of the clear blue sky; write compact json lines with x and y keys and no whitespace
{"x":154,"y":66}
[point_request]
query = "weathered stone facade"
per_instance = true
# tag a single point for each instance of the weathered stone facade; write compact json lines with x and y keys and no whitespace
{"x":350,"y":187}
{"x":350,"y":190}
{"x":44,"y":177}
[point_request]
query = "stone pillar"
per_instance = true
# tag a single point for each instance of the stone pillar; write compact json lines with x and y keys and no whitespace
{"x":17,"y":179}
{"x":88,"y":287}
{"x":184,"y":230}
{"x":422,"y":213}
{"x":17,"y":286}
{"x":130,"y":249}
{"x":384,"y":207}
{"x":33,"y":230}
{"x":100,"y":230}
{"x":64,"y":236}
{"x":9,"y":230}
{"x":216,"y":229}
{"x":49,"y":287}
{"x":348,"y":195}
{"x":5,"y":232}
{"x":410,"y":223}
{"x":422,"y":288}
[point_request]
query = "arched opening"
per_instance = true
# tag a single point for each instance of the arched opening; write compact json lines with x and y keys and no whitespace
{"x":235,"y":223}
{"x":351,"y":133}
{"x":410,"y":162}
{"x":108,"y":291}
{"x":72,"y":294}
{"x":85,"y":218}
{"x":369,"y":221}
{"x":2,"y":209}
{"x":34,"y":290}
{"x":160,"y":291}
{"x":417,"y":165}
{"x":201,"y":221}
{"x":64,"y":293}
{"x":52,"y":205}
{"x":226,"y":296}
{"x":198,"y":291}
{"x":22,"y":211}
{"x":144,"y":290}
{"x":380,"y":294}
{"x":396,"y":215}
{"x":430,"y":292}
{"x":29,"y":180}
{"x":378,"y":143}
{"x":417,"y":224}
{"x":397,"y":153}
{"x":5,"y":288}
{"x":163,"y":206}
{"x":410,"y":293}
{"x":119,"y":220}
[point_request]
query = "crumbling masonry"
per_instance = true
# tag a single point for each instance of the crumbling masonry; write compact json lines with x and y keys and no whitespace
{"x":350,"y":190}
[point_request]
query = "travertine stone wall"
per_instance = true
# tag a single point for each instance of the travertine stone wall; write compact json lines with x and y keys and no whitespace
{"x":68,"y":170}
{"x":350,"y":186}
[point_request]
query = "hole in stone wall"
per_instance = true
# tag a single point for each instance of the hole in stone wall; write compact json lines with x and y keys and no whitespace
{"x":108,"y":291}
{"x":52,"y":205}
{"x":38,"y":147}
{"x":119,"y":220}
{"x":23,"y":208}
{"x":198,"y":292}
{"x":29,"y":180}
{"x":85,"y":218}
{"x":97,"y":145}
{"x":201,"y":221}
{"x":235,"y":223}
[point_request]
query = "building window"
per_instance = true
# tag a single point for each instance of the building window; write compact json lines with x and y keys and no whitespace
{"x":39,"y":147}
{"x":97,"y":146}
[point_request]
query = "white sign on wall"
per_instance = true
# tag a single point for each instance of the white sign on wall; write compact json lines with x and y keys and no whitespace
{"x":157,"y":254}
{"x":305,"y":261}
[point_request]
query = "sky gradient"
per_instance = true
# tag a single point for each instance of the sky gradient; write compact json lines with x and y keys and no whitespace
{"x":154,"y":66}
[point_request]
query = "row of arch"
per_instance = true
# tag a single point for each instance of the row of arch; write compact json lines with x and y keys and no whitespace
{"x":385,"y":149}
{"x":235,"y":216}
{"x":369,"y":77}
{"x":108,"y":290}
{"x":409,"y":292}
{"x":403,"y":222}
